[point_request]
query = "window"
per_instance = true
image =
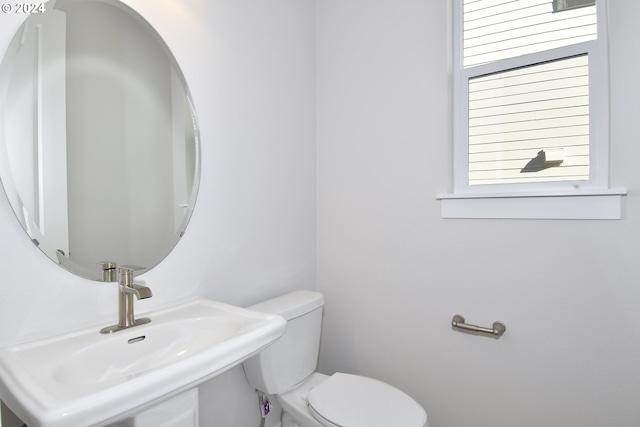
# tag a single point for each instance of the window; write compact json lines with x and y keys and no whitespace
{"x":530,"y":101}
{"x":530,"y":124}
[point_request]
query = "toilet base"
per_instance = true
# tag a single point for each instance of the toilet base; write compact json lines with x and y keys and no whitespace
{"x":288,"y":421}
{"x":294,"y":403}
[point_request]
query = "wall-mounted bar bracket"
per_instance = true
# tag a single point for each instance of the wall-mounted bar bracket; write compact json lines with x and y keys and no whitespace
{"x":497,"y":330}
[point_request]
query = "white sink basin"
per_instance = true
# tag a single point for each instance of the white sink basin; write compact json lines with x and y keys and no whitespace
{"x":85,"y":378}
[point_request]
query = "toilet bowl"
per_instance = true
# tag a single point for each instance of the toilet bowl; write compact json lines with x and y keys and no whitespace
{"x":286,"y":369}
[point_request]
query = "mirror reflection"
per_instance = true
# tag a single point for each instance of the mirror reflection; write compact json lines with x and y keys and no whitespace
{"x":99,"y":143}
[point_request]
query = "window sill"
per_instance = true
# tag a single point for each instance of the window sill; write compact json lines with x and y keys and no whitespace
{"x":579,"y":204}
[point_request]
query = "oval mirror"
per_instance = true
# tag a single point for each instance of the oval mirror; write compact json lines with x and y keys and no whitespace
{"x":99,"y":144}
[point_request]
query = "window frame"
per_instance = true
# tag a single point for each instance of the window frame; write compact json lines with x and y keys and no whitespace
{"x":598,"y":183}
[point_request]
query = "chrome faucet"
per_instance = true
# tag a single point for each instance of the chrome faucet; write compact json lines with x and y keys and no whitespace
{"x":127,"y":289}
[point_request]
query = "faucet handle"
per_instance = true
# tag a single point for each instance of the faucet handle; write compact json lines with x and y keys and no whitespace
{"x":126,"y":274}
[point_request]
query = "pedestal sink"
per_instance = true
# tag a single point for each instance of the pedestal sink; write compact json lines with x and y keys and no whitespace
{"x":85,"y":378}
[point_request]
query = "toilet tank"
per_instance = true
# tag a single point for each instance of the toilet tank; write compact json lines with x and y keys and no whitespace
{"x":294,"y":356}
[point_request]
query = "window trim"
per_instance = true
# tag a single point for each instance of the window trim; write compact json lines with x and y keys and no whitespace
{"x":540,"y":194}
{"x":577,"y":204}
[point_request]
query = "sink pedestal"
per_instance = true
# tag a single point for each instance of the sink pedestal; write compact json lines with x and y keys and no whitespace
{"x":179,"y":411}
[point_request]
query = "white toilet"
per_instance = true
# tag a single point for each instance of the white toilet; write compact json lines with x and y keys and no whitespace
{"x":310,"y":399}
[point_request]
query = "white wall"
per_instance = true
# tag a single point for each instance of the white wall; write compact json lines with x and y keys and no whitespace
{"x":251,"y":69}
{"x":392,"y":270}
{"x":394,"y":273}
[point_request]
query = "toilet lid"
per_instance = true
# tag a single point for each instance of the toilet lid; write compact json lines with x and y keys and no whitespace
{"x":354,"y":401}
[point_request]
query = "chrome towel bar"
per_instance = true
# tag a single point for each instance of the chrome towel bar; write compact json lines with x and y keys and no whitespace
{"x":497,"y":330}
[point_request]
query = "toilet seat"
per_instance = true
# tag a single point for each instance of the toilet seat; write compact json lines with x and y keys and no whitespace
{"x":345,"y":400}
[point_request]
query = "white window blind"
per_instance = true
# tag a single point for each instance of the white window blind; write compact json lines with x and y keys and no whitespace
{"x":500,"y":29}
